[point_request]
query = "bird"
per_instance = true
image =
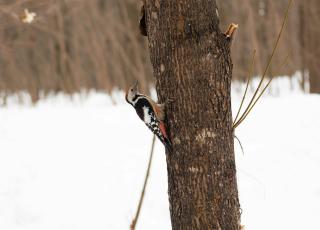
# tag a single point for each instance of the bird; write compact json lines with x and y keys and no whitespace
{"x":28,"y":17}
{"x":151,"y":113}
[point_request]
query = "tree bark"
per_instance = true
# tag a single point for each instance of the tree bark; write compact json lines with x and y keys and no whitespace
{"x":312,"y":43}
{"x":193,"y":70}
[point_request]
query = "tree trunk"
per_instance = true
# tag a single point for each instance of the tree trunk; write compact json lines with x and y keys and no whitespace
{"x":302,"y":44}
{"x":193,"y":69}
{"x":312,"y":49}
{"x":314,"y":78}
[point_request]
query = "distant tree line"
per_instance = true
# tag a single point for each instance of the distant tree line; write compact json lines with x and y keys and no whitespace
{"x":71,"y":46}
{"x":259,"y":21}
{"x":78,"y":45}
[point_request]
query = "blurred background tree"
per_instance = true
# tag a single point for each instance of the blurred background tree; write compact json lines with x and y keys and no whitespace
{"x":79,"y":45}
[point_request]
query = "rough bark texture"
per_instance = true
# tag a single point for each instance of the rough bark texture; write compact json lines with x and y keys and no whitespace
{"x":193,"y":69}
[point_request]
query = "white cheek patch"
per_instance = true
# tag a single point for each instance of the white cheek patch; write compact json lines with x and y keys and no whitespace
{"x":133,"y":102}
{"x":146,"y":115}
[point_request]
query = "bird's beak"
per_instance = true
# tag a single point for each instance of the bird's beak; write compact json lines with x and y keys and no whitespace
{"x":135,"y":87}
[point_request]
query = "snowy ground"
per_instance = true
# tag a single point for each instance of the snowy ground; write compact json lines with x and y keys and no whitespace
{"x":80,"y":165}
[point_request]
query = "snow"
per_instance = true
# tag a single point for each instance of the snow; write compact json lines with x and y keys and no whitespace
{"x":79,"y":164}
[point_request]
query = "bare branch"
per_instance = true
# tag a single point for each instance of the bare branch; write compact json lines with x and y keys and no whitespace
{"x":253,"y":101}
{"x":251,"y":68}
{"x":263,"y":90}
{"x":135,"y":219}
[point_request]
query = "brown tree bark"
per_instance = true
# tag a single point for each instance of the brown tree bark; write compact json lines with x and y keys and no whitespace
{"x":312,"y":43}
{"x":193,"y":69}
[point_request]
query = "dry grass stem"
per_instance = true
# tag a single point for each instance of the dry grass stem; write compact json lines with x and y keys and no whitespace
{"x":136,"y":217}
{"x":254,"y":100}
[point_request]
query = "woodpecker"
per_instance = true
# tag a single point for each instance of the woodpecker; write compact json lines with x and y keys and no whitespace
{"x":151,"y":113}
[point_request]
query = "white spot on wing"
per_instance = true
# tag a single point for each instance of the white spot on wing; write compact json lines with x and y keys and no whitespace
{"x":147,"y":117}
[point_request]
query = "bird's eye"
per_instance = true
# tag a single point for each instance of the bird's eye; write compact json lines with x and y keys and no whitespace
{"x":131,"y":90}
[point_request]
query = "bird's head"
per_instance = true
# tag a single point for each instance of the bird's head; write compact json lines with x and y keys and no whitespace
{"x":132,"y":93}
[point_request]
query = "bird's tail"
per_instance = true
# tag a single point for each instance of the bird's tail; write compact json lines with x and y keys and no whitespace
{"x":164,"y":137}
{"x":167,"y":143}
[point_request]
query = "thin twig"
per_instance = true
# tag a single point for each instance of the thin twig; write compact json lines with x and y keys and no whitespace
{"x":247,"y":86}
{"x":239,"y":143}
{"x":135,"y":219}
{"x":253,"y":102}
{"x":263,"y":90}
